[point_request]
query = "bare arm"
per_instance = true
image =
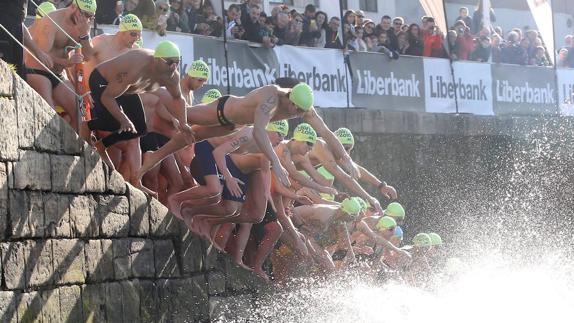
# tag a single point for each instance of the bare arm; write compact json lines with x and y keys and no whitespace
{"x":114,"y":89}
{"x":387,"y":190}
{"x":174,"y":89}
{"x":45,"y":42}
{"x":240,"y":138}
{"x":304,"y":163}
{"x":364,"y":228}
{"x":31,"y":45}
{"x":286,"y":161}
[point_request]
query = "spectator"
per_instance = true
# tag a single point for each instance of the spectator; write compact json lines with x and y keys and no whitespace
{"x":293,"y":35}
{"x":398,"y":23}
{"x":498,"y":30}
{"x":321,"y":18}
{"x":254,"y":31}
{"x":567,"y":42}
{"x":562,"y":56}
{"x":539,"y":58}
{"x":496,"y":48}
{"x":570,"y":57}
{"x":311,"y":30}
{"x":118,"y":10}
{"x":369,"y":28}
{"x":233,"y":21}
{"x":145,"y":10}
{"x":451,"y":38}
{"x":477,"y":17}
{"x":384,"y":46}
{"x":214,"y":22}
{"x":463,"y":15}
{"x":403,"y":42}
{"x":162,"y":13}
{"x":482,"y":50}
{"x":192,"y":9}
{"x":532,"y":36}
{"x":358,"y":43}
{"x":332,"y":34}
{"x":513,"y":53}
{"x":415,"y":41}
{"x":281,"y":27}
{"x":349,"y":21}
{"x":464,"y":42}
{"x":385,"y":27}
{"x":177,"y":20}
{"x":359,"y":18}
{"x":244,"y":7}
{"x":432,"y":39}
{"x":525,"y":44}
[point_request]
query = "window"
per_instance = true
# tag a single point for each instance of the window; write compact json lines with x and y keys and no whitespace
{"x":368,"y":5}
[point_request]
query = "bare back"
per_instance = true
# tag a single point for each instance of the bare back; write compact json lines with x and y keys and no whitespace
{"x":316,"y":216}
{"x":104,"y":48}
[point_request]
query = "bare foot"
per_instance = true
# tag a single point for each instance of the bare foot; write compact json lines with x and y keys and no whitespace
{"x":242,"y":265}
{"x":174,"y":207}
{"x":259,"y":272}
{"x":99,"y":145}
{"x":138,"y":184}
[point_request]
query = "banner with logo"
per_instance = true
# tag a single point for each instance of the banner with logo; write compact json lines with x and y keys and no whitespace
{"x":471,"y":88}
{"x":523,"y":90}
{"x":566,"y":91}
{"x":380,"y":83}
{"x":323,"y":69}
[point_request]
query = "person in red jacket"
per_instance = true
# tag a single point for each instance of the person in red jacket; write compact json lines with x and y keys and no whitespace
{"x":432,"y":39}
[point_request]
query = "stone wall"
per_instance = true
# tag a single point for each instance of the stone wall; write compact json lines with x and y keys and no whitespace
{"x":79,"y":244}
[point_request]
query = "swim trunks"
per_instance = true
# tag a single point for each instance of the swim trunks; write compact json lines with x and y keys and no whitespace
{"x":220,"y":111}
{"x":235,"y":172}
{"x":203,"y":163}
{"x":152,"y":142}
{"x":55,"y":81}
{"x":258,"y":229}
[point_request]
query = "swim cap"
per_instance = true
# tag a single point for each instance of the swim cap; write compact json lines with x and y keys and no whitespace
{"x":139,"y":42}
{"x":304,"y":173}
{"x":302,"y":96}
{"x":44,"y":9}
{"x":210,"y":96}
{"x":350,"y":206}
{"x":398,"y":232}
{"x":304,"y":132}
{"x":386,"y":222}
{"x":362,"y":202}
{"x":436,"y":240}
{"x":130,"y":22}
{"x":422,"y":240}
{"x":325,"y":173}
{"x":395,"y":210}
{"x":198,"y":69}
{"x":281,"y":126}
{"x":168,"y":49}
{"x":345,"y":136}
{"x":87,"y":5}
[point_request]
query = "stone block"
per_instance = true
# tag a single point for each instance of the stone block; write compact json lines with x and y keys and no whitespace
{"x":139,"y":212}
{"x":8,"y":302}
{"x":191,"y":250}
{"x":71,"y":143}
{"x":115,"y":183}
{"x":69,"y":261}
{"x":149,"y":301}
{"x":162,"y":222}
{"x":83,"y":219}
{"x":39,"y":265}
{"x":142,"y":258}
{"x":14,"y":256}
{"x":71,"y":304}
{"x":99,"y":260}
{"x":94,"y":303}
{"x":239,"y":279}
{"x":95,"y":177}
{"x":27,"y":214}
{"x":121,"y":251}
{"x":50,"y":305}
{"x":165,"y":259}
{"x":30,"y":307}
{"x":114,"y":304}
{"x":183,"y":300}
{"x":9,"y":133}
{"x":26,"y":99}
{"x":6,"y":80}
{"x":47,"y":127}
{"x":32,"y":171}
{"x":68,"y":174}
{"x":216,"y":282}
{"x":4,"y":205}
{"x":131,"y":301}
{"x":213,"y":258}
{"x":57,"y":216}
{"x":113,"y":212}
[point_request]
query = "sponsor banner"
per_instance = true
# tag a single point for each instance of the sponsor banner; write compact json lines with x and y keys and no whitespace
{"x":439,"y":87}
{"x":322,"y":69}
{"x":566,"y":91}
{"x":471,"y":87}
{"x":249,"y":67}
{"x":380,"y":83}
{"x":523,"y":90}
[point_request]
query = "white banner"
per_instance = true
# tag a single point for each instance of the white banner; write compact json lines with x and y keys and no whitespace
{"x":439,"y":92}
{"x":322,"y":69}
{"x":542,"y":12}
{"x":473,"y":83}
{"x":566,"y":91}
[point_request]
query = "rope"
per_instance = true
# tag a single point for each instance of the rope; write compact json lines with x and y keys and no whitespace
{"x":44,"y":66}
{"x":77,"y":45}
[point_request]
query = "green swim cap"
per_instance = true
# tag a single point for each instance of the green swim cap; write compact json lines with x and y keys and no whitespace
{"x":304,"y":173}
{"x":167,"y":49}
{"x":281,"y":126}
{"x":44,"y":9}
{"x":395,"y":210}
{"x":345,"y":136}
{"x":422,"y":240}
{"x":304,"y":132}
{"x":130,"y":22}
{"x":139,"y":42}
{"x":302,"y":96}
{"x":325,"y":173}
{"x":87,"y":5}
{"x":198,"y":69}
{"x":350,"y":206}
{"x":386,"y":222}
{"x":362,"y":202}
{"x":210,"y":96}
{"x":436,"y":240}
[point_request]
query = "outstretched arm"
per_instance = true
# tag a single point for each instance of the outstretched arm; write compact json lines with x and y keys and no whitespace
{"x":240,"y":138}
{"x":287,"y":162}
{"x":387,"y":190}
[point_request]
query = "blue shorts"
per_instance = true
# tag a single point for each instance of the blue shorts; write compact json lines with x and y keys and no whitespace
{"x":235,"y":172}
{"x":203,"y":163}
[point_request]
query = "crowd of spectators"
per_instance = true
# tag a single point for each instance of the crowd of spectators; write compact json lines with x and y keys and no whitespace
{"x":469,"y":38}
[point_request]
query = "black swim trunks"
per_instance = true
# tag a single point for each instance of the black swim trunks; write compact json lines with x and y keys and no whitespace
{"x":258,"y":229}
{"x":220,"y":111}
{"x":152,"y":142}
{"x":55,"y":81}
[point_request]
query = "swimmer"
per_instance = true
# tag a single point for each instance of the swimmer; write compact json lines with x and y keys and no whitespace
{"x":75,"y":20}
